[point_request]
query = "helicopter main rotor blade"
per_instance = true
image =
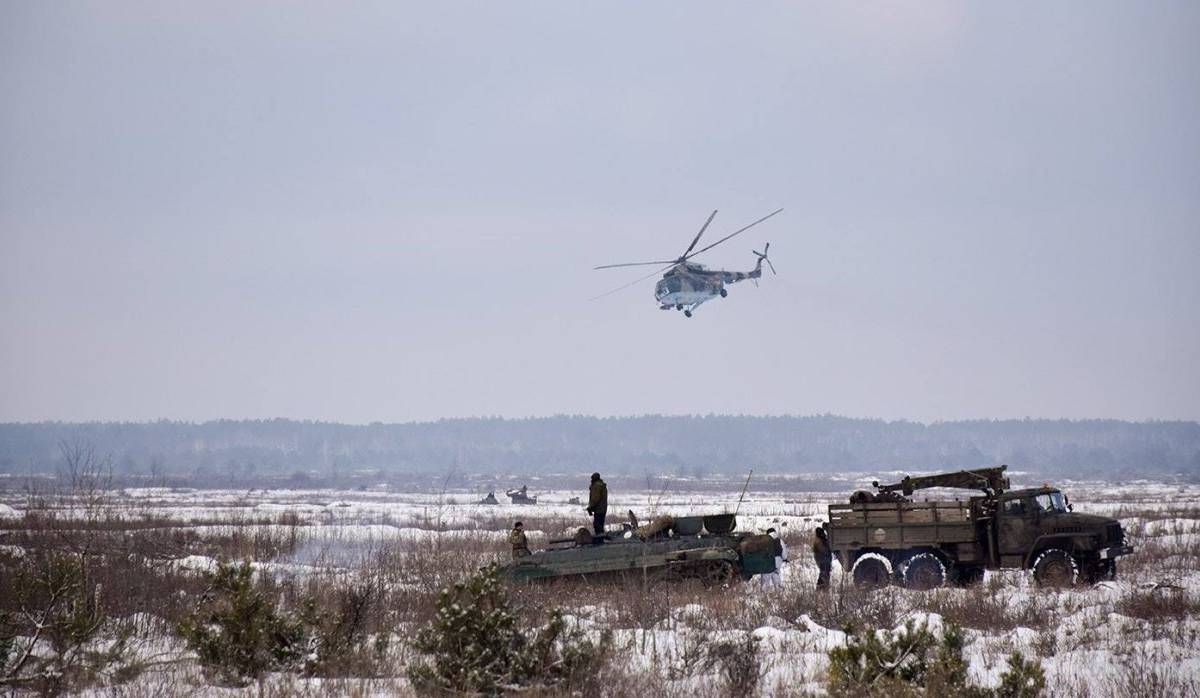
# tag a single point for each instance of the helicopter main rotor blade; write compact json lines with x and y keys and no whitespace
{"x":736,"y":232}
{"x":635,"y":264}
{"x":697,"y":238}
{"x":631,"y":283}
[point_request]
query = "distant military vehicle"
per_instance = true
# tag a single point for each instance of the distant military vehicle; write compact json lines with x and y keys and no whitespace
{"x":668,"y":549}
{"x":489,"y":499}
{"x":885,"y":536}
{"x":521,"y":496}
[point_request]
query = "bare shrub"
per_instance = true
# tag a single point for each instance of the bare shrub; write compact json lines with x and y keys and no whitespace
{"x":48,"y":643}
{"x":1145,"y":675}
{"x":983,"y":610}
{"x":844,"y":606}
{"x":1159,"y":605}
{"x":738,"y":664}
{"x":338,"y":626}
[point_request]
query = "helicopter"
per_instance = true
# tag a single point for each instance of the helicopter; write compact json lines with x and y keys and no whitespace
{"x":686,"y":285}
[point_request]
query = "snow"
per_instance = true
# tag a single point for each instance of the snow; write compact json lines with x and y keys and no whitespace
{"x":1086,"y":646}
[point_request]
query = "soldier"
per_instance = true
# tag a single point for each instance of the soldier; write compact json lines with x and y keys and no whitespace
{"x":597,"y":503}
{"x":520,"y":546}
{"x":772,"y":579}
{"x":823,"y":556}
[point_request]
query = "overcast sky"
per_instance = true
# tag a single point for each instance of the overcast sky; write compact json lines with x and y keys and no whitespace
{"x":230,"y":209}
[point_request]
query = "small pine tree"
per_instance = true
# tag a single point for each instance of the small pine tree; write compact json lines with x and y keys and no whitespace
{"x":1023,"y":679}
{"x":238,"y":632}
{"x":915,"y":662}
{"x":478,"y":645}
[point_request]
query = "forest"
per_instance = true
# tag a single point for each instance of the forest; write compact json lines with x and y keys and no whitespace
{"x":682,"y":446}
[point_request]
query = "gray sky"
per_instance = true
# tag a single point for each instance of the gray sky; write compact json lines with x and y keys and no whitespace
{"x":255,"y":210}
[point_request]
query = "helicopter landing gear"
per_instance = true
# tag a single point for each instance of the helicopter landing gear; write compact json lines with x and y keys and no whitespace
{"x":687,"y":313}
{"x":724,"y":293}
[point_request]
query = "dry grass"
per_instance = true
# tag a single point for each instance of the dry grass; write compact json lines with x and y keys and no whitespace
{"x":135,"y":553}
{"x":1159,"y":605}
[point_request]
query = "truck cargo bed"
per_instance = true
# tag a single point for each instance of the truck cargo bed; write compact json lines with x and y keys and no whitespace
{"x":900,"y":524}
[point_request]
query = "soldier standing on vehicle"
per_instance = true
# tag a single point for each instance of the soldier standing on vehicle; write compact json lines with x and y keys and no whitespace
{"x":520,"y":546}
{"x":597,"y":503}
{"x":823,"y":556}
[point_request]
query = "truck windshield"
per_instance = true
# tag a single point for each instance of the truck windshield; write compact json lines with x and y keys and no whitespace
{"x":1052,"y":501}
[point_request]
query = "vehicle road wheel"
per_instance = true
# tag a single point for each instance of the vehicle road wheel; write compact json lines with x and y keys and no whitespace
{"x":687,"y":313}
{"x":1055,"y":568}
{"x":924,"y":571}
{"x":717,"y":573}
{"x":871,"y":570}
{"x":724,"y":293}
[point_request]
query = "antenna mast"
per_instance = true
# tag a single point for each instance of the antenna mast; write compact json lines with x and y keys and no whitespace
{"x":739,"y":504}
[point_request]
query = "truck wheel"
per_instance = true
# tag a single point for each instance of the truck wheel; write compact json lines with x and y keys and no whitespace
{"x":924,"y":571}
{"x":871,"y":570}
{"x":1055,"y":568}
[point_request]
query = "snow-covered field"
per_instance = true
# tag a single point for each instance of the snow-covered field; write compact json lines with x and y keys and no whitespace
{"x":1111,"y":639}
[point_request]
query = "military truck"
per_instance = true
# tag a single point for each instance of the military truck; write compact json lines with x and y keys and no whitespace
{"x":703,"y":548}
{"x":886,"y":536}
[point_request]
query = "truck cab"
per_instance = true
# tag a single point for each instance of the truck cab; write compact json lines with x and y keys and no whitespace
{"x":1036,"y":527}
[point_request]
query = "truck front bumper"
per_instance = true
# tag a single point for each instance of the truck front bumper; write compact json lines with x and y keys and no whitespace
{"x":1116,"y":551}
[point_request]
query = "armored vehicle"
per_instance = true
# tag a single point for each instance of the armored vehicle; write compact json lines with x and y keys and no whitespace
{"x":886,"y":536}
{"x":689,"y":547}
{"x":521,"y":496}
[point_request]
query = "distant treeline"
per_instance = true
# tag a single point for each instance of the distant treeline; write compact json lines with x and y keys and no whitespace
{"x":659,"y":445}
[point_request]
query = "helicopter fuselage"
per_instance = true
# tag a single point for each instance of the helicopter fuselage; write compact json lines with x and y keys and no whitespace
{"x":687,"y":285}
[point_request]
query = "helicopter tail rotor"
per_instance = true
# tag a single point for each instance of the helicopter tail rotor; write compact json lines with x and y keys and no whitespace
{"x":762,"y":257}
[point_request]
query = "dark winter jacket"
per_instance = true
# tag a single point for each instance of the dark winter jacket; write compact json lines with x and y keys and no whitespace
{"x":598,"y":497}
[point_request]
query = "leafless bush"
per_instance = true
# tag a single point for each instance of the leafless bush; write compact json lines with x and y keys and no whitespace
{"x":1158,"y":605}
{"x":1144,"y":675}
{"x":46,"y":641}
{"x":738,"y":664}
{"x":843,"y":606}
{"x":983,"y":610}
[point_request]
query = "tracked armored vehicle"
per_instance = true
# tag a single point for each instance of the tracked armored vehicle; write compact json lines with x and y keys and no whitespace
{"x":705,"y":548}
{"x":886,"y":536}
{"x":521,"y":496}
